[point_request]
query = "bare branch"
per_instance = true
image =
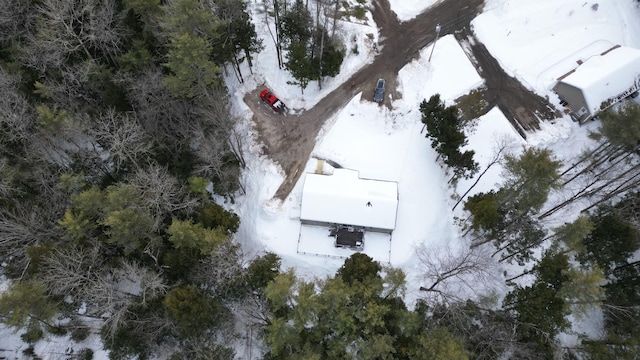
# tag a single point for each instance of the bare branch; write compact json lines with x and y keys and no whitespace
{"x":122,"y":137}
{"x":86,"y":28}
{"x":221,"y":272}
{"x":137,"y":280}
{"x":503,"y":145}
{"x":161,"y":192}
{"x":71,"y":270}
{"x":25,"y":226}
{"x":159,"y":113}
{"x":451,"y":274}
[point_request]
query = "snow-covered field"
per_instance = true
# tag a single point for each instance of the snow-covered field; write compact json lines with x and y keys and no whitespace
{"x":530,"y":39}
{"x":537,"y":41}
{"x":534,"y":40}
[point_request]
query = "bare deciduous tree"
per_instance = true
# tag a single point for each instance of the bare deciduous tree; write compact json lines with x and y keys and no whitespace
{"x":213,"y":139}
{"x":454,"y":274}
{"x":206,"y":125}
{"x":161,"y":192}
{"x":256,"y":310}
{"x":238,"y":139}
{"x":491,"y":333}
{"x":74,"y":88}
{"x":16,"y":20}
{"x":68,"y":144}
{"x":80,"y":272}
{"x":24,"y":226}
{"x":88,"y":28}
{"x":217,"y":160}
{"x":130,"y":285}
{"x":206,"y":346}
{"x":221,"y":272}
{"x":72,"y":270}
{"x":7,"y":176}
{"x":122,"y":137}
{"x":159,"y":113}
{"x":113,"y":295}
{"x":16,"y":116}
{"x":279,"y":8}
{"x":148,"y":285}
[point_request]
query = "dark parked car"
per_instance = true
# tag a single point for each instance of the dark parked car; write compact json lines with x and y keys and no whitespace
{"x":378,"y":95}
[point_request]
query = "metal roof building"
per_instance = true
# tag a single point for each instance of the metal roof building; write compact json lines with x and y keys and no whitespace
{"x":345,"y":199}
{"x":599,"y":82}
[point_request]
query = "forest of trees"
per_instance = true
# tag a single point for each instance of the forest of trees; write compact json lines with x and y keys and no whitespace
{"x":572,"y":269}
{"x":585,"y":264}
{"x":307,"y":45}
{"x":114,"y":123}
{"x":114,"y":120}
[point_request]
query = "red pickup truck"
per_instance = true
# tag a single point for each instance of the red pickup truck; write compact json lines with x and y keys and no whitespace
{"x":274,"y":103}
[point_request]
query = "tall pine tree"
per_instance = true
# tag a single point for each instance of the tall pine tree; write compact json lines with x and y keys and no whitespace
{"x":444,"y":128}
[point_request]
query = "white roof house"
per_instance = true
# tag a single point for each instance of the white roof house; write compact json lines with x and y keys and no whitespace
{"x":344,"y":199}
{"x":600,"y":81}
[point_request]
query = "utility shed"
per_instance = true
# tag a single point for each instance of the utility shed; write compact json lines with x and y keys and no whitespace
{"x":599,"y":82}
{"x":343,"y":198}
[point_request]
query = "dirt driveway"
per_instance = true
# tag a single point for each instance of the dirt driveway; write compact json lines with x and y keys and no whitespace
{"x":290,"y":140}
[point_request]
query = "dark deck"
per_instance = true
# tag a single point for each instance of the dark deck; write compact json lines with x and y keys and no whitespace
{"x":349,"y":237}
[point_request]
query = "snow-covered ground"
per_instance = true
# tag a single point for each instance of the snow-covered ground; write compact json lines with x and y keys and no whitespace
{"x":529,"y":39}
{"x":537,"y":41}
{"x":534,"y":40}
{"x":380,"y":144}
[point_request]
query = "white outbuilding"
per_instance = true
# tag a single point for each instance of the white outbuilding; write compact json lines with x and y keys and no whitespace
{"x":344,"y":199}
{"x":599,"y":82}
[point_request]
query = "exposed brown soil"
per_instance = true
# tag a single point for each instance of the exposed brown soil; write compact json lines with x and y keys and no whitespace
{"x":289,"y":140}
{"x":523,"y":108}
